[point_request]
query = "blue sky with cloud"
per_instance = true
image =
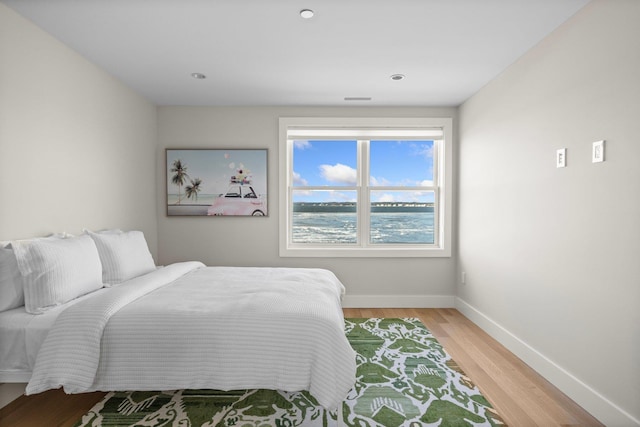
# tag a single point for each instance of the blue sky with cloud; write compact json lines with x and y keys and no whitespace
{"x":392,"y":163}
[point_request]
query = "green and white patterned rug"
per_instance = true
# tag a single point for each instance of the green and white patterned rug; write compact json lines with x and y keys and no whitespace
{"x":404,"y":378}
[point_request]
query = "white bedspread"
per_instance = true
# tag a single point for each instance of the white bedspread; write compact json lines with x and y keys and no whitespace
{"x":186,"y":326}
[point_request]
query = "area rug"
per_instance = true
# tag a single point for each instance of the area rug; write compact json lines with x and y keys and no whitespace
{"x":404,"y":378}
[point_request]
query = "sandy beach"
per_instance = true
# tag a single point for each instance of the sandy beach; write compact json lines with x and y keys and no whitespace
{"x":187,"y":210}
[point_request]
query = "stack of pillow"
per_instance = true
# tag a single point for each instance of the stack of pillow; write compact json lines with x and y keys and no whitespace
{"x":46,"y":272}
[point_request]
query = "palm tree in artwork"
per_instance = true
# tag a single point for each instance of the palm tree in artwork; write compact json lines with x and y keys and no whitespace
{"x":193,"y":189}
{"x":180,"y":176}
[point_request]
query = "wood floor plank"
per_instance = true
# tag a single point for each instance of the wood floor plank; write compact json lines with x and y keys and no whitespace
{"x":524,"y":387}
{"x":51,"y":408}
{"x":520,"y":395}
{"x":530,"y":388}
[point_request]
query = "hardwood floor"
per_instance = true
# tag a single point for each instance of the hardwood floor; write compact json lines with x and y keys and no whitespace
{"x":521,"y":396}
{"x":51,"y":408}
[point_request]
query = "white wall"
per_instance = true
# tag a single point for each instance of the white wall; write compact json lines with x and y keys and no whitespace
{"x":254,"y":241}
{"x":77,"y":148}
{"x":552,"y":256}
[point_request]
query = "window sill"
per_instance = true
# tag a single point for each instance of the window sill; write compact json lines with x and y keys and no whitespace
{"x":365,"y":253}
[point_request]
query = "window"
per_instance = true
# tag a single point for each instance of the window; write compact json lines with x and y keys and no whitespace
{"x":365,"y":187}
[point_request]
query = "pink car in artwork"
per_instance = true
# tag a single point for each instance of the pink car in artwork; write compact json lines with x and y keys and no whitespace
{"x":240,"y":199}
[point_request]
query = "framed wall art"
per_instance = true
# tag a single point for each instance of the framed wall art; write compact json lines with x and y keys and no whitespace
{"x":216,"y":182}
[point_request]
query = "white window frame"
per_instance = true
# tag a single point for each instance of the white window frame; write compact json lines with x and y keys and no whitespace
{"x":443,"y":183}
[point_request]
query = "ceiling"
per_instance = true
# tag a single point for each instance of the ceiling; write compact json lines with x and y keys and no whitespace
{"x":261,"y":52}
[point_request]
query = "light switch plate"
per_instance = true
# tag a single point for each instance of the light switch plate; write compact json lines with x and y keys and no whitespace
{"x":597,"y":152}
{"x":561,"y":158}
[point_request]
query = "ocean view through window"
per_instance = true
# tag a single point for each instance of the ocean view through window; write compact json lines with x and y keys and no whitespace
{"x":365,"y":187}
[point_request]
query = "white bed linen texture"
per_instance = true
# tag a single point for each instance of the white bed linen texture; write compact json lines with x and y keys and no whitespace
{"x":187,"y":326}
{"x":22,"y":335}
{"x":56,"y":271}
{"x":11,"y":289}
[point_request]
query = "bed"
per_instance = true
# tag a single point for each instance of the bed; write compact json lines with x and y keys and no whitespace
{"x":181,"y":326}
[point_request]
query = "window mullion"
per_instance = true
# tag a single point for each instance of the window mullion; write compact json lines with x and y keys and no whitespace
{"x":436,"y":217}
{"x":363,"y":193}
{"x":436,"y":164}
{"x":288,"y":220}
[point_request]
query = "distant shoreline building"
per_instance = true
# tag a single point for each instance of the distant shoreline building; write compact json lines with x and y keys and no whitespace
{"x":351,"y":207}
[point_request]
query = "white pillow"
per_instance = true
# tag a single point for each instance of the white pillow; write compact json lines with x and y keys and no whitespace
{"x":11,"y":293}
{"x":55,"y":271}
{"x":11,"y":286}
{"x":124,"y":255}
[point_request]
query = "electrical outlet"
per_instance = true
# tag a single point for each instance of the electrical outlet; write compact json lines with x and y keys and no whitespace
{"x":463,"y":278}
{"x":561,"y":158}
{"x":597,"y":152}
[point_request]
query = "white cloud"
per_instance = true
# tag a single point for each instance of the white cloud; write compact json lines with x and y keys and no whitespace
{"x":423,"y":150}
{"x":386,"y":198}
{"x":298,"y":180}
{"x":400,"y":196}
{"x":301,"y":145}
{"x":379,"y":182}
{"x":383,"y":182}
{"x":339,"y":173}
{"x":340,"y":196}
{"x":299,"y":193}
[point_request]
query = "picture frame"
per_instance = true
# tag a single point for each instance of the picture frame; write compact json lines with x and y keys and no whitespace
{"x":216,"y":182}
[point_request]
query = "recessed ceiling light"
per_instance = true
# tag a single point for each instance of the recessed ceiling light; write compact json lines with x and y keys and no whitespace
{"x":307,"y":13}
{"x":357,"y":98}
{"x":397,"y":76}
{"x":198,"y":76}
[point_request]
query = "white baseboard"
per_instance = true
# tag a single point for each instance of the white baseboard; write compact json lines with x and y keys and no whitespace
{"x":398,"y":301}
{"x":592,"y":401}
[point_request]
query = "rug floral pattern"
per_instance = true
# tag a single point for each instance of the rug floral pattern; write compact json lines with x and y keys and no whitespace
{"x":404,"y":378}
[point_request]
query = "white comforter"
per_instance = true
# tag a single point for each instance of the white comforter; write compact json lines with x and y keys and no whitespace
{"x":187,"y":326}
